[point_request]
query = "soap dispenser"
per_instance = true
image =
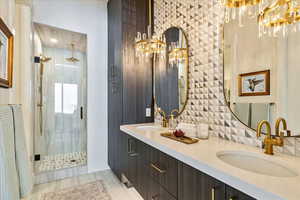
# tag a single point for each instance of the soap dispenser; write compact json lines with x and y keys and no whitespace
{"x":172,"y":121}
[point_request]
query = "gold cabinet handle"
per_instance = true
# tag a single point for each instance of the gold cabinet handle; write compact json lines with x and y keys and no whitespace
{"x":157,"y":168}
{"x":213,"y":194}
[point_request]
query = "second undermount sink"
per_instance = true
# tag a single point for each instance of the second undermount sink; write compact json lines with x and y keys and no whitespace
{"x":255,"y":163}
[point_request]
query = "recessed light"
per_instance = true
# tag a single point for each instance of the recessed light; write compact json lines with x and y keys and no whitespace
{"x":53,"y":40}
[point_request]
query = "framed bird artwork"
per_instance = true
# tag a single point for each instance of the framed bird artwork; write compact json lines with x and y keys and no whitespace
{"x":254,"y":83}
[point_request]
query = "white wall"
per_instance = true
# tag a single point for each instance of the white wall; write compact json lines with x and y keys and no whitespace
{"x":24,"y":69}
{"x":18,"y":18}
{"x":89,"y":17}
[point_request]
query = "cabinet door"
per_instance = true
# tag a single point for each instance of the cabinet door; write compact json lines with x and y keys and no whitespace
{"x":132,"y":155}
{"x":189,"y":183}
{"x":212,"y":189}
{"x":233,"y":194}
{"x":142,"y":180}
{"x":164,"y":170}
{"x":156,"y":192}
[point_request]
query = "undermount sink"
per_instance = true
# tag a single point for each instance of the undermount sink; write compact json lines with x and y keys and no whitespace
{"x":149,"y":128}
{"x":255,"y":163}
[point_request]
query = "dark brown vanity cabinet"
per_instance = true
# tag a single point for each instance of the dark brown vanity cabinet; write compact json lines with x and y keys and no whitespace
{"x":164,"y":170}
{"x":233,"y":194}
{"x":158,"y":176}
{"x":195,"y":185}
{"x":157,"y":192}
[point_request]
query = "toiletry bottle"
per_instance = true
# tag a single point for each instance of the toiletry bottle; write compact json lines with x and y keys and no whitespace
{"x":172,"y":123}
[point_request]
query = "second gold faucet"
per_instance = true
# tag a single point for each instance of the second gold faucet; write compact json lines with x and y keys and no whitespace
{"x":270,"y":140}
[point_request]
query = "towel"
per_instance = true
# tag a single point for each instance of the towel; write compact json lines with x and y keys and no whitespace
{"x":9,"y":181}
{"x":23,"y":163}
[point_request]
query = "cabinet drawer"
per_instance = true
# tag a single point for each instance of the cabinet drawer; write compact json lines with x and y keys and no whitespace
{"x":212,"y":189}
{"x":233,"y":194}
{"x":157,"y":192}
{"x":164,"y":170}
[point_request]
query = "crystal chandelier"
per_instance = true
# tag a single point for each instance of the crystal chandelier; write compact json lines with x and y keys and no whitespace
{"x":147,"y":44}
{"x":241,"y":8}
{"x":177,"y":54}
{"x":280,"y":17}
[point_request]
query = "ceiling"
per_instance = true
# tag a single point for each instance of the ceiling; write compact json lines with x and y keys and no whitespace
{"x":60,"y":38}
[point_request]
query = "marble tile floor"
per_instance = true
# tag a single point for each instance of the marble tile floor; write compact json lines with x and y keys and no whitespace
{"x":61,"y":161}
{"x":116,"y":189}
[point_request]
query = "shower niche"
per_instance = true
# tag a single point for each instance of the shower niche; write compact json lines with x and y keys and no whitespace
{"x":60,"y":98}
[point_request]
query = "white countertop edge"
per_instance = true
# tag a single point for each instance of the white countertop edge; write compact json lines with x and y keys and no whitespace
{"x":234,"y":182}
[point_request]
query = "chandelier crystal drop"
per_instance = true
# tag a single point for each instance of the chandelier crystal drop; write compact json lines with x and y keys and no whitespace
{"x":239,"y":9}
{"x":177,"y":54}
{"x":281,"y":17}
{"x":147,"y":44}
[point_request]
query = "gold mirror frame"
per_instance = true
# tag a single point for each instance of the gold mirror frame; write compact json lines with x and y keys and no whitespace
{"x":225,"y":98}
{"x":187,"y":79}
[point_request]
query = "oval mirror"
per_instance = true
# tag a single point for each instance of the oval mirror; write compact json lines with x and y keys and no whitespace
{"x":171,"y":73}
{"x":261,"y":75}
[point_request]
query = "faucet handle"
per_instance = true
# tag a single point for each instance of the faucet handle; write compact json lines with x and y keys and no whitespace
{"x":286,"y":133}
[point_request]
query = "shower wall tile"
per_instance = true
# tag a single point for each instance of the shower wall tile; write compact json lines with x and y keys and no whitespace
{"x":202,"y":21}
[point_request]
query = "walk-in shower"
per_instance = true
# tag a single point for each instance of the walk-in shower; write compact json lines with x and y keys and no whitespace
{"x":61,"y":72}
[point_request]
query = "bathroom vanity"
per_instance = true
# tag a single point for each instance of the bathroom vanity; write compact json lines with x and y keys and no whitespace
{"x":163,"y":169}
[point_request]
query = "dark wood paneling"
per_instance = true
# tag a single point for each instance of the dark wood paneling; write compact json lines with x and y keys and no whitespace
{"x":189,"y":183}
{"x":114,"y":84}
{"x":209,"y":184}
{"x":169,"y":178}
{"x":129,"y":83}
{"x":137,"y":74}
{"x":156,"y":192}
{"x":234,"y":194}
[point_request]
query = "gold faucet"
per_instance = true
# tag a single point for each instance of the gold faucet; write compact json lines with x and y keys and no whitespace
{"x":277,"y":126}
{"x":269,"y":141}
{"x":165,"y":120}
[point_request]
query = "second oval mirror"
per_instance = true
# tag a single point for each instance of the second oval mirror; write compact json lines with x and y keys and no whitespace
{"x":171,"y":73}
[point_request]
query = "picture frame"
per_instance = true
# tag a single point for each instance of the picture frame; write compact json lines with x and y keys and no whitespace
{"x":6,"y":55}
{"x":254,"y":83}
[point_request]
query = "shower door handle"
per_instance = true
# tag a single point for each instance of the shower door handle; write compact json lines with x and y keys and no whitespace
{"x":81,"y":112}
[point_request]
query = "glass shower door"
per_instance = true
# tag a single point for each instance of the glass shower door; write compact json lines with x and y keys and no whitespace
{"x":61,"y":132}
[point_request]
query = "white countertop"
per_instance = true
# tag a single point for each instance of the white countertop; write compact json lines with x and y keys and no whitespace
{"x":202,"y":156}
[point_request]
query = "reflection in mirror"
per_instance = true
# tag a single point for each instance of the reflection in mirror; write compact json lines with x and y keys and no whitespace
{"x":261,"y":75}
{"x":171,"y":73}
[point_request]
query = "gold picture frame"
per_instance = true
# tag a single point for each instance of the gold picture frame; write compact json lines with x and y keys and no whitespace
{"x":254,"y":83}
{"x":6,"y":55}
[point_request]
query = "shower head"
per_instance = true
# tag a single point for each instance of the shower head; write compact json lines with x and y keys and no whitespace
{"x":72,"y":59}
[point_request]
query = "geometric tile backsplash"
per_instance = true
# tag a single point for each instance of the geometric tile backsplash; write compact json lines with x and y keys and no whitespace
{"x":202,"y":21}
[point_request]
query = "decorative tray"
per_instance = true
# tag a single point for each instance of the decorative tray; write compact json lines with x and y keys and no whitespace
{"x":184,"y":139}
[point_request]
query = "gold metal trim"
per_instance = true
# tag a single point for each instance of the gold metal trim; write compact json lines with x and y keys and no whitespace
{"x":240,"y":3}
{"x":157,"y":168}
{"x":180,"y":111}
